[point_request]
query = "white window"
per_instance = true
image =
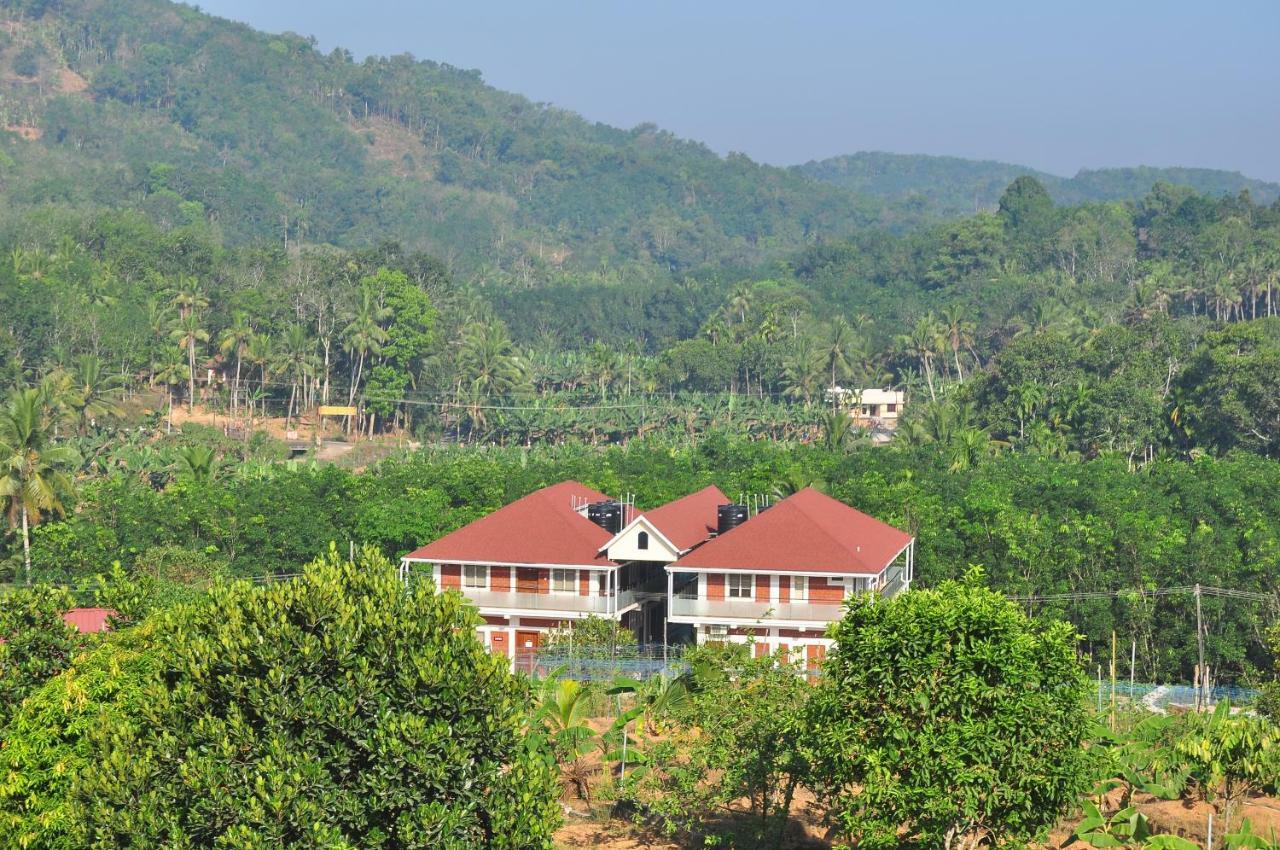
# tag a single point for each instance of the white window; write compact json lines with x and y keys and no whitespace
{"x":475,"y":576}
{"x":564,"y":581}
{"x":799,"y":588}
{"x":740,"y":586}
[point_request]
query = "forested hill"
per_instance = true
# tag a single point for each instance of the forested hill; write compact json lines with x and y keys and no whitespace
{"x":154,"y":104}
{"x":948,"y":185}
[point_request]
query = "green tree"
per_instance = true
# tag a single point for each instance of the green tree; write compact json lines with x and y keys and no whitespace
{"x":35,"y":477}
{"x":94,"y":394}
{"x":35,"y":642}
{"x":52,"y":738}
{"x":739,"y":739}
{"x":188,"y":333}
{"x":948,"y":712}
{"x":353,"y":712}
{"x":234,"y":340}
{"x":1029,"y":216}
{"x":1229,"y":756}
{"x":188,"y":330}
{"x":1230,"y":389}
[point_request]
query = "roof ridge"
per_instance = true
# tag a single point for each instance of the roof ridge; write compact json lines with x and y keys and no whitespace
{"x":857,"y":554}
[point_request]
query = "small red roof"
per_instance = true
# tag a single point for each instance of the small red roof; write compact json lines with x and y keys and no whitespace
{"x":689,"y":520}
{"x":805,"y":532}
{"x":541,"y":528}
{"x":88,"y":620}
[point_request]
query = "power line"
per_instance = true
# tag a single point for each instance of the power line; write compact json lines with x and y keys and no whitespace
{"x":1189,"y":589}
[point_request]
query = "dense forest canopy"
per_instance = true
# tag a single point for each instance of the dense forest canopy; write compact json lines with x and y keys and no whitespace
{"x":153,"y":105}
{"x":951,"y":186}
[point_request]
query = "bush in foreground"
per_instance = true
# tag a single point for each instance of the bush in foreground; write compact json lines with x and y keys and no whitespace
{"x":339,"y":711}
{"x":949,"y":714}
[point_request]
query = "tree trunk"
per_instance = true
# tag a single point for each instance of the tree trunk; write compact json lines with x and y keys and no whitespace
{"x":324,"y":392}
{"x":235,"y":394}
{"x":191,"y":375}
{"x":26,"y":542}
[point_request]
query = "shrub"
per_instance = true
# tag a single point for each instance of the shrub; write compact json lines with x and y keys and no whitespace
{"x":738,"y":752}
{"x":335,"y":710}
{"x":949,"y":714}
{"x":35,"y":642}
{"x":49,"y":739}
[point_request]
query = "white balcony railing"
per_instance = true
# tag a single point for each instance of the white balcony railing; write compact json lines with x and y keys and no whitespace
{"x":497,"y":599}
{"x":603,"y":605}
{"x":751,"y":611}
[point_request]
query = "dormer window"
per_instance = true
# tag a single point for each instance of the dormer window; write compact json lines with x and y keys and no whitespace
{"x":642,"y":540}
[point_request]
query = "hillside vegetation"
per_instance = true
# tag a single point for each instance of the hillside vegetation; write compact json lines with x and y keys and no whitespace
{"x":950,"y":186}
{"x":153,"y":105}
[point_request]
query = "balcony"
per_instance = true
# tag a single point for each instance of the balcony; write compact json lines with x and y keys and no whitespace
{"x":603,"y":606}
{"x":750,"y":611}
{"x":491,"y":600}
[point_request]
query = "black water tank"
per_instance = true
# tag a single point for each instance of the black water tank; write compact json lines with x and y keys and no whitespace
{"x":729,"y":517}
{"x":607,"y":515}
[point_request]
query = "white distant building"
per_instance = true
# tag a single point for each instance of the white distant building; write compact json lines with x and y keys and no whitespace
{"x":872,"y":407}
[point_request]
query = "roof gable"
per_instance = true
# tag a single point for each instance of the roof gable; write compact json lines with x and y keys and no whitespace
{"x":541,"y":528}
{"x":805,"y":532}
{"x":625,"y":545}
{"x":689,"y":520}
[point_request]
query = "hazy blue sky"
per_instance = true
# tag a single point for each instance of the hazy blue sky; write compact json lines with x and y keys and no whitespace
{"x":1055,"y":85}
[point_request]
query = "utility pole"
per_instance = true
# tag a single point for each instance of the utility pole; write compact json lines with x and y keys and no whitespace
{"x":1200,"y":650}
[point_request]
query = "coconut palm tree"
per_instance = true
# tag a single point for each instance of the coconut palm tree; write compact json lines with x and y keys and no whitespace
{"x":740,"y":303}
{"x":187,"y":333}
{"x":838,"y":432}
{"x":802,"y":370}
{"x":923,"y":344}
{"x":169,"y":368}
{"x":1028,"y":398}
{"x":959,"y":334}
{"x":298,"y":357}
{"x":197,"y":463}
{"x":93,"y":394}
{"x":364,"y":335}
{"x":838,"y":350}
{"x":488,"y":367}
{"x":35,"y":473}
{"x":234,"y":340}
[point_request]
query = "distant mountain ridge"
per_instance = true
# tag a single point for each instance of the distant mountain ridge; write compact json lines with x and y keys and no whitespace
{"x":156,"y":106}
{"x":949,"y":186}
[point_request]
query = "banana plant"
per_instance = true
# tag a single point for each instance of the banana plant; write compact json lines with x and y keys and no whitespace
{"x":1126,"y":828}
{"x":1245,"y":839}
{"x":657,"y":698}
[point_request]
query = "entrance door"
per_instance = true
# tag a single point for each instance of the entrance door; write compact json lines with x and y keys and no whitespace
{"x":526,"y":643}
{"x":498,"y":643}
{"x":814,"y":653}
{"x":526,"y":580}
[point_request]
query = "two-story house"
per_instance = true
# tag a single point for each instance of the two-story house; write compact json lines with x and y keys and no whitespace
{"x":567,"y":552}
{"x":778,"y":578}
{"x":561,"y":554}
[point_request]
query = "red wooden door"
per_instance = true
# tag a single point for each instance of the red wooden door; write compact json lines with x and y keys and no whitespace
{"x":814,"y":653}
{"x":526,"y":580}
{"x":498,"y":643}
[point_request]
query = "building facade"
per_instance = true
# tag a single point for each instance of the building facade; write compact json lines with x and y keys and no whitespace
{"x":709,"y":568}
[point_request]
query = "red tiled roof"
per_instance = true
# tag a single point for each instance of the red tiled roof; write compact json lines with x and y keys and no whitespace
{"x":88,"y":620}
{"x":689,"y":520}
{"x":805,"y":532}
{"x":541,"y":528}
